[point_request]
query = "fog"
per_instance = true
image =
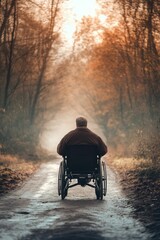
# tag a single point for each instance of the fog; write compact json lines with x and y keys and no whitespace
{"x":63,"y":122}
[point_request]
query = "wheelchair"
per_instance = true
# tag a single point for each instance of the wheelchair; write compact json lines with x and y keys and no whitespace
{"x":84,"y":165}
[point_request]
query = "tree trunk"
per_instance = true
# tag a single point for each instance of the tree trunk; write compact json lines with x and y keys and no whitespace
{"x":10,"y":62}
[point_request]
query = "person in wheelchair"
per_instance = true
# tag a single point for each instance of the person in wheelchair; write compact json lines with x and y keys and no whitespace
{"x":81,"y":136}
{"x":82,"y":150}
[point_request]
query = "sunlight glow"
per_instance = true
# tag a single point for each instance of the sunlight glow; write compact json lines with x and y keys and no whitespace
{"x":75,"y":10}
{"x":83,"y":8}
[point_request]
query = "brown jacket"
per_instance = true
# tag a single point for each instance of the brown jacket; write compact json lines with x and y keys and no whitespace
{"x":81,"y":135}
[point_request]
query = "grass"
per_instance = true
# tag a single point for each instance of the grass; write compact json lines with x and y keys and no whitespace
{"x":141,"y":167}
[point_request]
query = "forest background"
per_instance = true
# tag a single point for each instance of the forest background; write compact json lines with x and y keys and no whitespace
{"x":111,"y":70}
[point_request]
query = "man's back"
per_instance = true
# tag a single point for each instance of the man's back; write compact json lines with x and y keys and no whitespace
{"x":81,"y":136}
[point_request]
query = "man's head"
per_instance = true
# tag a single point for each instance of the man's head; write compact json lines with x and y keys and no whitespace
{"x":81,"y":122}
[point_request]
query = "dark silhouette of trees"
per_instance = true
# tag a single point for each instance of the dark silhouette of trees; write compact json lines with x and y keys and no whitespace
{"x":28,"y":43}
{"x":141,"y":31}
{"x":48,"y":38}
{"x":7,"y":36}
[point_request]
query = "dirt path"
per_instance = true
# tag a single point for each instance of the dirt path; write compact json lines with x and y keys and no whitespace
{"x":36,"y":211}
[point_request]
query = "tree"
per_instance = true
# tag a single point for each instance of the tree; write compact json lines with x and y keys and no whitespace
{"x":48,"y":38}
{"x":27,"y":47}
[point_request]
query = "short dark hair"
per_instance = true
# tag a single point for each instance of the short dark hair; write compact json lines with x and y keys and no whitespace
{"x":81,"y":122}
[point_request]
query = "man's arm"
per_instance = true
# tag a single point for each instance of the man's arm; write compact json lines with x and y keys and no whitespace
{"x":102,"y":147}
{"x":61,"y":148}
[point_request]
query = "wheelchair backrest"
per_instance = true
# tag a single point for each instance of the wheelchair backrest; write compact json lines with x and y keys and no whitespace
{"x":82,"y":158}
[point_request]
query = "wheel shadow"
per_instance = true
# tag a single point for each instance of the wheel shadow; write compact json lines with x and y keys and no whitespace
{"x":64,"y":234}
{"x":77,"y":219}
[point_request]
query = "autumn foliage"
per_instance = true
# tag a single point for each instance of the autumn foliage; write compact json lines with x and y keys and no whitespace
{"x":120,"y":78}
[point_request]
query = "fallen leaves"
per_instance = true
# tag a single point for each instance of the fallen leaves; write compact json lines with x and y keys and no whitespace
{"x":13,"y":171}
{"x":141,"y":183}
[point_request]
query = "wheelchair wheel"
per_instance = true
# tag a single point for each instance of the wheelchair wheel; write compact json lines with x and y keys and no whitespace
{"x":99,"y":190}
{"x":99,"y":184}
{"x":59,"y":178}
{"x":104,"y":178}
{"x":62,"y":181}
